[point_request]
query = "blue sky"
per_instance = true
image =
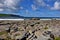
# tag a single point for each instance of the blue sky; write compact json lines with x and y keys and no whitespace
{"x":31,"y":8}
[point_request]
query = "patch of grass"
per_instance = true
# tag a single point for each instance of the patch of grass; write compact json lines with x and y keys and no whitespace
{"x":57,"y":38}
{"x":4,"y":15}
{"x":46,"y":27}
{"x":3,"y":32}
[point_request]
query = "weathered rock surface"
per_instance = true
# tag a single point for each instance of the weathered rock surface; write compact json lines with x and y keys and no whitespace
{"x":29,"y":29}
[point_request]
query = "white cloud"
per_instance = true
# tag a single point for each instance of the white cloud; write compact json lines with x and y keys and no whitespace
{"x":56,"y":6}
{"x":33,"y":7}
{"x":1,"y":9}
{"x":11,"y":3}
{"x":40,"y":2}
{"x":1,"y":5}
{"x":49,"y":0}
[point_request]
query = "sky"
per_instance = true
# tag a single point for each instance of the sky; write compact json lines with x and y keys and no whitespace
{"x":31,"y":8}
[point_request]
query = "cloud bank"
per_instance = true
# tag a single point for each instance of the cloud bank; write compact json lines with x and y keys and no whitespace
{"x":56,"y":6}
{"x":42,"y":3}
{"x":9,"y":5}
{"x":13,"y":5}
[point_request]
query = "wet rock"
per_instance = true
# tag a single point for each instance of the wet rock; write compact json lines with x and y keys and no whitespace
{"x":52,"y":36}
{"x":24,"y":38}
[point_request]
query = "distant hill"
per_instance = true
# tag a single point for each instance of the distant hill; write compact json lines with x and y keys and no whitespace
{"x":9,"y":16}
{"x":1,"y":15}
{"x":12,"y":16}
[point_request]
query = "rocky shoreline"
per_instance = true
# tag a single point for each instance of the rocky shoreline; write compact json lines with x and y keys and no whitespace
{"x":30,"y":30}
